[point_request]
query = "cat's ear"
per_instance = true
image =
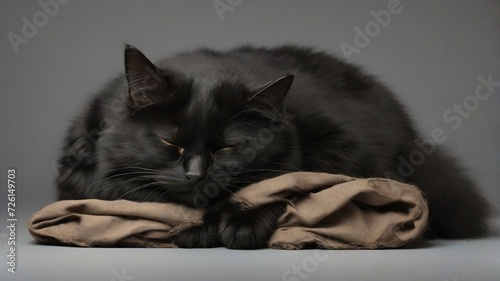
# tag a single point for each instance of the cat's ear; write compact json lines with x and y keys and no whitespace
{"x":273,"y":94}
{"x":145,"y":81}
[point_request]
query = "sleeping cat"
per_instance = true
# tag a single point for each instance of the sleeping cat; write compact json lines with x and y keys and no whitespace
{"x":196,"y":127}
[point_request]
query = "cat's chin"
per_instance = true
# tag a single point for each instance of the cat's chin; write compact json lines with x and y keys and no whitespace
{"x":197,"y":195}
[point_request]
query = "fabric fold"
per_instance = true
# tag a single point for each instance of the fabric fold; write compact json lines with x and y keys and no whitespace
{"x":322,"y":210}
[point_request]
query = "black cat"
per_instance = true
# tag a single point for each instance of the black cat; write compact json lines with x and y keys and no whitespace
{"x":196,"y":127}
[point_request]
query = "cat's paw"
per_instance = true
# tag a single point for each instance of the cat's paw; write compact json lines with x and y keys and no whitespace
{"x":249,"y":229}
{"x":201,"y":236}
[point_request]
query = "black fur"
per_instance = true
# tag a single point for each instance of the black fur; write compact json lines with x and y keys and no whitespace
{"x":196,"y":127}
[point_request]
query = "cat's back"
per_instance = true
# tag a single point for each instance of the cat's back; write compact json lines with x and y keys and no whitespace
{"x":314,"y":71}
{"x":325,"y":85}
{"x":257,"y":64}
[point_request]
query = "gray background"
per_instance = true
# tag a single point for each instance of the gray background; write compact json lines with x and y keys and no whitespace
{"x":431,"y":54}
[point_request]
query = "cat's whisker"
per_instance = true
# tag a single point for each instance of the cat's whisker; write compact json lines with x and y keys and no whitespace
{"x":137,"y":189}
{"x":103,"y":175}
{"x":96,"y":187}
{"x":297,"y":169}
{"x":166,"y":191}
{"x":232,"y":193}
{"x":122,"y":175}
{"x":143,"y":168}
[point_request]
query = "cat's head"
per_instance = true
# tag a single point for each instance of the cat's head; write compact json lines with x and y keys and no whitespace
{"x":191,"y":143}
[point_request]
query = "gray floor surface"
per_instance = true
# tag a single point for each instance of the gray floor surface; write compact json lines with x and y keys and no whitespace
{"x":437,"y":260}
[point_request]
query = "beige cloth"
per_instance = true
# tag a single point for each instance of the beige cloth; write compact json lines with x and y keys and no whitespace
{"x":324,"y":210}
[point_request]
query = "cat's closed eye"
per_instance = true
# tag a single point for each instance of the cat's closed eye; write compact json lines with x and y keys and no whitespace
{"x":180,"y":149}
{"x":228,"y":148}
{"x":225,"y":152}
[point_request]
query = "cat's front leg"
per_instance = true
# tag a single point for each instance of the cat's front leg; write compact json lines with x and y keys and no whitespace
{"x":201,"y":236}
{"x":249,"y":229}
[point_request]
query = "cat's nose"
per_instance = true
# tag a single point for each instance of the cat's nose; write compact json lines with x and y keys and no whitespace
{"x":193,"y":175}
{"x":195,"y":167}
